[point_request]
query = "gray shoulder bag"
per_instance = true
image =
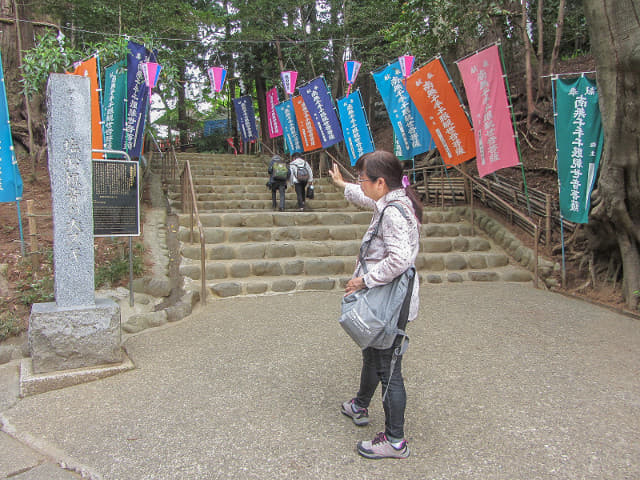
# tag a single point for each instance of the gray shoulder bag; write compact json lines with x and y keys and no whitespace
{"x":374,"y":317}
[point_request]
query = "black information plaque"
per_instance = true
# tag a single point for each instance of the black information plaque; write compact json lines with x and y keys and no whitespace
{"x":116,"y":206}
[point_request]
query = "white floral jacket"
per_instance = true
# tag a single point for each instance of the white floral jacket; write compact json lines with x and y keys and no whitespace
{"x":397,"y":244}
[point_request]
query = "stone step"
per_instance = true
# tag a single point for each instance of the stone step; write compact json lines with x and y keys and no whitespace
{"x":174,"y":191}
{"x":323,"y":248}
{"x":247,"y":182}
{"x":266,"y":285}
{"x":221,"y":158}
{"x":291,"y":204}
{"x":263,"y":194}
{"x":334,"y":265}
{"x":228,"y":172}
{"x":287,"y":219}
{"x":456,"y":233}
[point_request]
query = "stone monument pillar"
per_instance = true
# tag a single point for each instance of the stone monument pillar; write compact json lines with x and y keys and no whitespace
{"x":77,"y":330}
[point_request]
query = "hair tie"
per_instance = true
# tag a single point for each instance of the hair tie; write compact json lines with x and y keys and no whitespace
{"x":405,"y":181}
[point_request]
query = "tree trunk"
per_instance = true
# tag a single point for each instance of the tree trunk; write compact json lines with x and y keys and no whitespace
{"x":529,"y":73}
{"x":182,"y":109}
{"x":261,"y":93}
{"x":614,"y":28}
{"x":556,"y":43}
{"x":540,"y":50}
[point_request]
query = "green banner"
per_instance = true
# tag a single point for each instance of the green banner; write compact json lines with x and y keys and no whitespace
{"x":114,"y":106}
{"x":579,"y":139}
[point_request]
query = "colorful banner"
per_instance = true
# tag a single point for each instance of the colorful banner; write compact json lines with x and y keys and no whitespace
{"x":10,"y":179}
{"x":289,"y":81}
{"x":114,"y":106}
{"x":137,"y":98}
{"x":217,"y":76}
{"x":320,"y":105}
{"x":287,"y":117}
{"x":357,"y":135}
{"x":308,"y":132}
{"x":495,"y":142}
{"x":431,"y":90}
{"x":246,"y":118}
{"x":579,"y":139}
{"x":275,"y":129}
{"x":89,"y":68}
{"x":408,"y":126}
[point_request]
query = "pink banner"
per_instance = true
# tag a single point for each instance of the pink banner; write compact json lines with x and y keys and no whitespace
{"x":493,"y":128}
{"x":275,"y":129}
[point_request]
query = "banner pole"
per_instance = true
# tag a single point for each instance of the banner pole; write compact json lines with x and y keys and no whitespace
{"x":515,"y":131}
{"x":100,"y":94}
{"x":555,"y":114}
{"x":455,"y":89}
{"x":20,"y":227}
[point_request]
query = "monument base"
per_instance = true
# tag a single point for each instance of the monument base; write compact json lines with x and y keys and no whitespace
{"x":67,"y":338}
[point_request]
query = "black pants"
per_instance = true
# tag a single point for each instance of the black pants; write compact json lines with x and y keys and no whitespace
{"x":301,"y":188}
{"x":281,"y":187}
{"x":376,"y":369}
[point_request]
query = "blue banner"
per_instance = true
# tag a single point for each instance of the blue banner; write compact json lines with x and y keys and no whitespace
{"x":318,"y":100}
{"x":137,"y":97}
{"x":287,"y":117}
{"x":246,"y":118}
{"x":10,"y":180}
{"x":412,"y":134}
{"x":357,"y":135}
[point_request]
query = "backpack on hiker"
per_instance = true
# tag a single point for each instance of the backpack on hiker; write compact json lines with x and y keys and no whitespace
{"x":302,"y":173}
{"x":280,"y":171}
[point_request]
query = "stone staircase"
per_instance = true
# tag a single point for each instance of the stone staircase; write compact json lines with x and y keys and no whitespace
{"x":253,"y":250}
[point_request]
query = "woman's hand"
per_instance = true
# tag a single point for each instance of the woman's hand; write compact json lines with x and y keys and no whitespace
{"x":336,"y":176}
{"x":354,"y":285}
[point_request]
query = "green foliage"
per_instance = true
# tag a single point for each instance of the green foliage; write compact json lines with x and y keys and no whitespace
{"x":35,"y":289}
{"x":50,"y":55}
{"x":430,"y":27}
{"x":215,"y":143}
{"x":10,"y":325}
{"x":116,"y":269}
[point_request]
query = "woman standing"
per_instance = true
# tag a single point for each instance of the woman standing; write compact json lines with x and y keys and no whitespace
{"x":390,"y":254}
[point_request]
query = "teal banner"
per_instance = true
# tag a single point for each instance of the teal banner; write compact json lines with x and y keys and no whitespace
{"x":114,"y":106}
{"x":579,"y":139}
{"x":10,"y":180}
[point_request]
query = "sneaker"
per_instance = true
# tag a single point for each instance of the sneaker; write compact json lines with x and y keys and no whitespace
{"x":381,"y":447}
{"x":359,"y":415}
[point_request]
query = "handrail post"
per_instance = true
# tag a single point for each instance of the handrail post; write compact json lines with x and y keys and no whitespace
{"x":547,"y":219}
{"x":535,"y":254}
{"x":442,"y":186}
{"x":473,"y":228}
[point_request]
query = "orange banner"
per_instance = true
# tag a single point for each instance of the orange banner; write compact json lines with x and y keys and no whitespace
{"x":308,"y":132}
{"x":89,"y":68}
{"x":436,"y":100}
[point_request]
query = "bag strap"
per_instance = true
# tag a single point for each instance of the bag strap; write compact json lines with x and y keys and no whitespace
{"x":401,"y":347}
{"x":367,"y":242}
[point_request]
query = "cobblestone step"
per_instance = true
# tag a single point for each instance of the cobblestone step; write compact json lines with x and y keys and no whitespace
{"x":266,"y":285}
{"x":322,"y":248}
{"x":286,"y":219}
{"x":291,"y":204}
{"x":335,"y":265}
{"x":311,"y":232}
{"x":262,"y":194}
{"x":251,"y":250}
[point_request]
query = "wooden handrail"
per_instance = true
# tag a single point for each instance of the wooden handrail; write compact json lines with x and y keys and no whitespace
{"x":478,"y":186}
{"x":342,"y":167}
{"x":186,"y":181}
{"x":523,"y":218}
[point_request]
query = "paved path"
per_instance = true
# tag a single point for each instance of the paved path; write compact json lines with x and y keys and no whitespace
{"x":504,"y":382}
